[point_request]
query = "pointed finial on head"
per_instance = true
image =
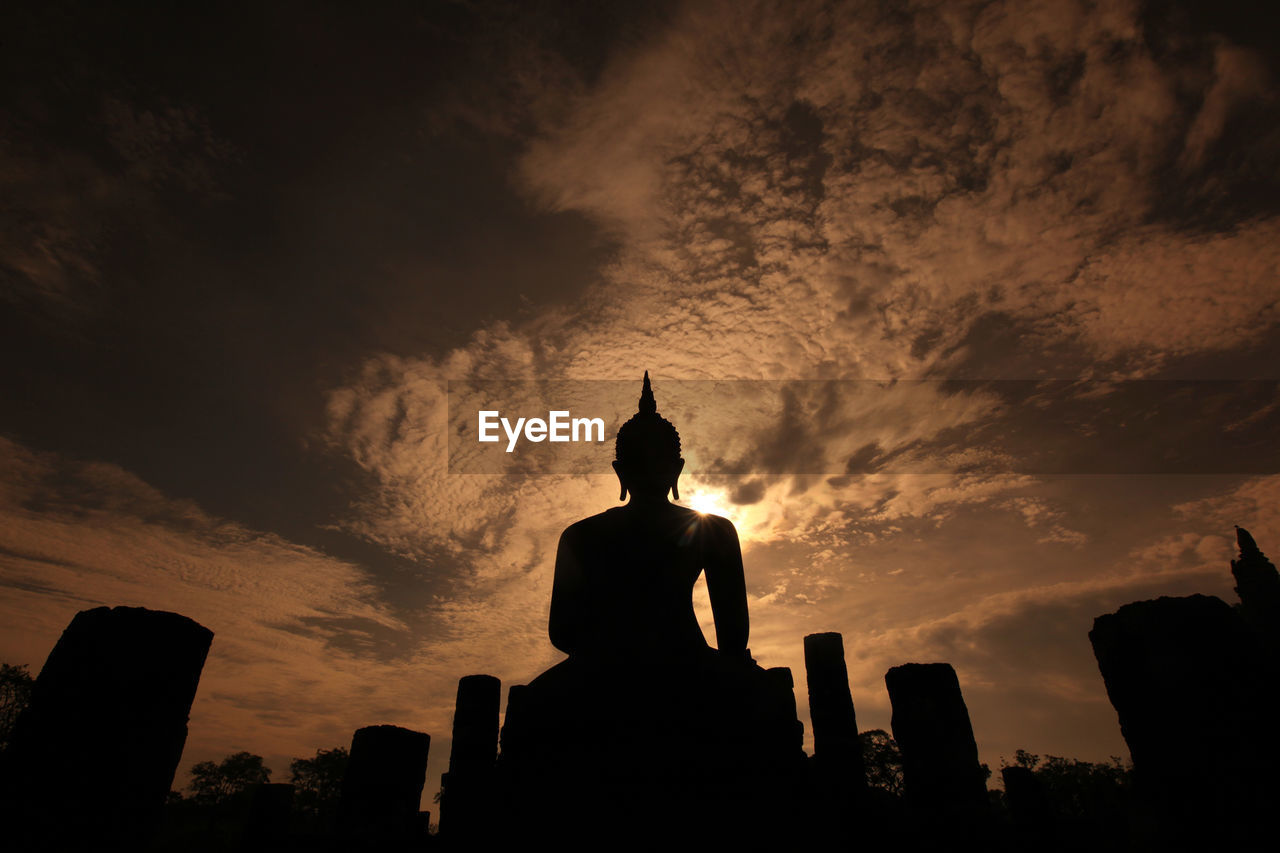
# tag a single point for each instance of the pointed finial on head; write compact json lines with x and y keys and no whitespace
{"x":647,"y":432}
{"x":648,"y":405}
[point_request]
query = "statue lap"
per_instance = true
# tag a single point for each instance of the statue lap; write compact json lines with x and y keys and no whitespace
{"x":592,"y":741}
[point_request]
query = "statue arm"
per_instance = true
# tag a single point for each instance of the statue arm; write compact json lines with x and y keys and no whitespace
{"x":727,"y":587}
{"x":566,"y":597}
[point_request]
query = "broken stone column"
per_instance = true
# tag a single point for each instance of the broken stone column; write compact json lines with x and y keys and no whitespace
{"x":1194,"y":697}
{"x":466,"y":798}
{"x":838,"y":775}
{"x":92,"y":759}
{"x":475,"y":724}
{"x":1029,"y":807}
{"x":942,"y":779}
{"x":783,"y":717}
{"x":383,"y":785}
{"x":836,"y":749}
{"x":267,"y":826}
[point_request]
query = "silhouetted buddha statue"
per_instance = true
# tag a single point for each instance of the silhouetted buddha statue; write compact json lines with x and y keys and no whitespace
{"x":642,"y":701}
{"x":623,"y":591}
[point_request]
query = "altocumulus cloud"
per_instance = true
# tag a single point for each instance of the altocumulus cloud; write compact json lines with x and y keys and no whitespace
{"x":857,"y":191}
{"x":853,"y":191}
{"x":294,"y":663}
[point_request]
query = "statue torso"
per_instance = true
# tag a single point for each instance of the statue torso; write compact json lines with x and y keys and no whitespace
{"x":638,"y":570}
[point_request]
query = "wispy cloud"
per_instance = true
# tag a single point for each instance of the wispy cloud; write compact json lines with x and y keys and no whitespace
{"x":296,"y":661}
{"x":855,"y":192}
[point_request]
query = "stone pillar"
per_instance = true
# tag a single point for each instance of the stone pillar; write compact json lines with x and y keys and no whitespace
{"x":466,"y":799}
{"x":784,"y":714}
{"x":267,"y":827}
{"x":942,"y":779}
{"x":383,"y":785}
{"x":93,"y":757}
{"x":1194,"y":697}
{"x":1029,"y":807}
{"x":836,"y":748}
{"x":837,"y":773}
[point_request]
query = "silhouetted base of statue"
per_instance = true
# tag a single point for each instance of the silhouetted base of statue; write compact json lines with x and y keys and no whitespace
{"x":610,"y":754}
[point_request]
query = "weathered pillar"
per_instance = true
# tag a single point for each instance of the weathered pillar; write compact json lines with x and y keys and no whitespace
{"x":1029,"y":807}
{"x":466,"y":798}
{"x":836,"y":748}
{"x":838,"y":774}
{"x":943,"y":782}
{"x":93,"y":757}
{"x":383,"y":784}
{"x":1192,"y":690}
{"x":784,"y":713}
{"x":267,"y":827}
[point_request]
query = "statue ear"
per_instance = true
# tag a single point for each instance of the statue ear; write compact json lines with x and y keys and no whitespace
{"x":675,"y":483}
{"x":622,"y":496}
{"x":675,"y":491}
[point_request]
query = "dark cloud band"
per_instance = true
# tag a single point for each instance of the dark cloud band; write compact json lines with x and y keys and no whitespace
{"x":849,"y":428}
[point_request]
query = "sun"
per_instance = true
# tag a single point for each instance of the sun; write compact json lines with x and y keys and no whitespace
{"x":708,"y":503}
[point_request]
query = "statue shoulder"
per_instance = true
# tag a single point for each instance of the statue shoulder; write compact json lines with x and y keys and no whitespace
{"x":714,"y":531}
{"x":719,"y":525}
{"x":719,"y":536}
{"x":592,"y":525}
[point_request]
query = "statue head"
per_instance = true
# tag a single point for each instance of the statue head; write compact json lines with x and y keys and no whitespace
{"x":647,"y":452}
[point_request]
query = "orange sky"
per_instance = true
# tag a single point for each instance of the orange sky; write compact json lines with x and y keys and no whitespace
{"x":241,"y":271}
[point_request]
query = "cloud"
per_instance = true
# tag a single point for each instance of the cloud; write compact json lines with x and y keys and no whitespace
{"x":1254,"y":505}
{"x":904,"y":174}
{"x":850,"y":192}
{"x":298,"y":659}
{"x":1240,"y":80}
{"x":857,"y":191}
{"x":1023,"y":656}
{"x":1167,"y":295}
{"x":65,"y":198}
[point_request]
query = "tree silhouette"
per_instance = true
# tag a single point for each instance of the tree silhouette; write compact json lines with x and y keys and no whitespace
{"x":883,"y":760}
{"x":318,"y":781}
{"x":1022,"y":758}
{"x":1084,"y":788}
{"x":15,"y":694}
{"x":1090,"y":795}
{"x":214,"y":784}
